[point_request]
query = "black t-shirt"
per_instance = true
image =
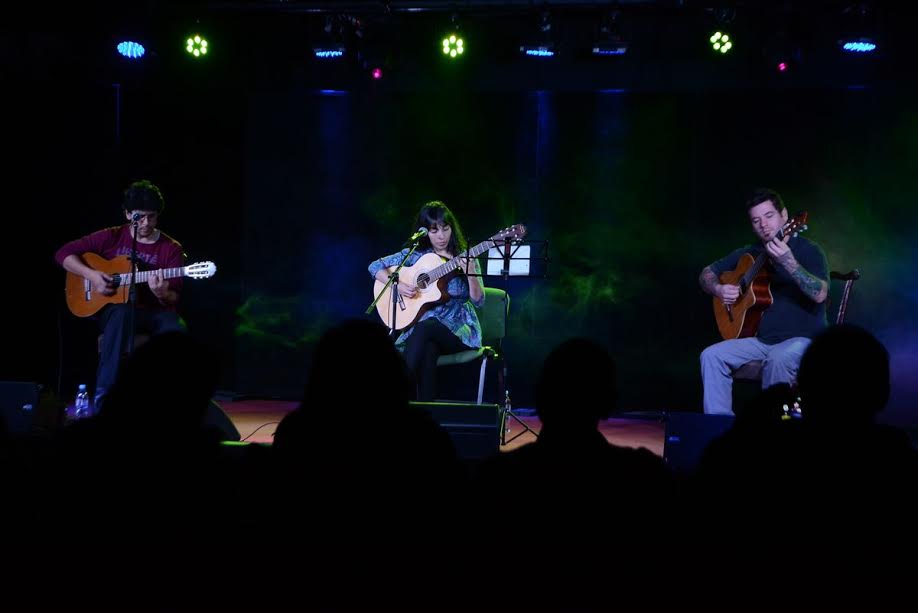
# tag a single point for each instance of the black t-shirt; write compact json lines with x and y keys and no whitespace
{"x":792,"y":313}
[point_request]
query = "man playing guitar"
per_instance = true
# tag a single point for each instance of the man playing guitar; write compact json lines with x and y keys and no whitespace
{"x":156,"y":300}
{"x":796,"y":272}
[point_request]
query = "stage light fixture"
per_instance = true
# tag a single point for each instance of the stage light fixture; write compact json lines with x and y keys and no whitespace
{"x":453,"y":46}
{"x":196,"y":45}
{"x":610,"y":41}
{"x":453,"y":43}
{"x":721,"y":41}
{"x":610,"y":48}
{"x":130,"y":49}
{"x":859,"y":29}
{"x":540,"y":45}
{"x":546,"y":50}
{"x":859,"y":45}
{"x":328,"y":53}
{"x":781,"y":51}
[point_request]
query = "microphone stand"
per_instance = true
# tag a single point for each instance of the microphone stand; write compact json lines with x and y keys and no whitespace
{"x":393,"y":283}
{"x":132,"y":288}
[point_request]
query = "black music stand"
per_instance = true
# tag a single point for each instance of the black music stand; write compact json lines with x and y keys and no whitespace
{"x":514,"y":258}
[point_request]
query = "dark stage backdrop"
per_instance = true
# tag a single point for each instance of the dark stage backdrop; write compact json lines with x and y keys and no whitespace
{"x":634,"y":192}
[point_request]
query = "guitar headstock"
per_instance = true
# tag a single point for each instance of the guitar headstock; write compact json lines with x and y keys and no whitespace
{"x":201,"y":270}
{"x":796,"y":224}
{"x":514,"y":232}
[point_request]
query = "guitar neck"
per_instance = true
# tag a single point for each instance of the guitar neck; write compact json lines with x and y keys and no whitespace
{"x":754,"y":269}
{"x":144,"y":275}
{"x":457,"y":262}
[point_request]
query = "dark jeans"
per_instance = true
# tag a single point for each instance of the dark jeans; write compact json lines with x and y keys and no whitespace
{"x":429,"y":340}
{"x":113,"y":322}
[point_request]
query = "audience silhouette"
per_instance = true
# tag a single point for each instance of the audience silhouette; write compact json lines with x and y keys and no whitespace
{"x":571,"y":479}
{"x":146,"y":464}
{"x":356,"y":459}
{"x":835,"y":468}
{"x":355,"y":451}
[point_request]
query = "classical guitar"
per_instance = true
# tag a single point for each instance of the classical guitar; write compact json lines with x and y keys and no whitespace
{"x":83,"y":301}
{"x":741,"y":319}
{"x":431,"y":275}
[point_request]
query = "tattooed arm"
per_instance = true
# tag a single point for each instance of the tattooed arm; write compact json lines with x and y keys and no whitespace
{"x":708,"y":280}
{"x":710,"y":283}
{"x":815,"y":288}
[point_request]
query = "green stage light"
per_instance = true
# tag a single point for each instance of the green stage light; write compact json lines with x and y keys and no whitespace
{"x":453,"y":46}
{"x":721,"y":41}
{"x":196,"y":45}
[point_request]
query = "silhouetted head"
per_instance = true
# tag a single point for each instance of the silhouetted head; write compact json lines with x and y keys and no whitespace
{"x":844,"y":376}
{"x":356,"y":366}
{"x":170,"y":380}
{"x":576,"y":387}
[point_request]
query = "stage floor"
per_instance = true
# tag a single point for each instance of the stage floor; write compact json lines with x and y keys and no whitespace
{"x":257,"y":420}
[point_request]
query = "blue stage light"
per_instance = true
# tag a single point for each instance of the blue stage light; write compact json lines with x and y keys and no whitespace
{"x":538,"y":50}
{"x":328,"y":53}
{"x":130,"y":49}
{"x":858,"y":46}
{"x":610,"y":48}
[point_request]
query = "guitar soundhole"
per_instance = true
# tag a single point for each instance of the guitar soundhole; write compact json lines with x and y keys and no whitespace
{"x":423,"y":281}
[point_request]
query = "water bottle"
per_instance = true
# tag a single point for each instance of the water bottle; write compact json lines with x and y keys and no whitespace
{"x":81,"y":408}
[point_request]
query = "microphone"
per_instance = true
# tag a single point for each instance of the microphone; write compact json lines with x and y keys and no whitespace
{"x":421,"y":233}
{"x":136,"y":217}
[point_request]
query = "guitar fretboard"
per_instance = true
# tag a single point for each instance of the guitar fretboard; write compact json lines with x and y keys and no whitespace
{"x":754,"y":269}
{"x":144,"y":275}
{"x":457,"y":262}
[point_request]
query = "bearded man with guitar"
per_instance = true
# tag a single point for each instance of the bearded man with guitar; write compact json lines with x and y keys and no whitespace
{"x":769,"y":301}
{"x":157,"y":299}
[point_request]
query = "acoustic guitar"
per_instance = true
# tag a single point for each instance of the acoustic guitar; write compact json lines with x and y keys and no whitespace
{"x":742,"y":318}
{"x":431,"y":275}
{"x":83,"y":301}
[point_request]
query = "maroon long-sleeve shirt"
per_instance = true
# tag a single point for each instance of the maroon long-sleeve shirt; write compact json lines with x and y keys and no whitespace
{"x":166,"y":252}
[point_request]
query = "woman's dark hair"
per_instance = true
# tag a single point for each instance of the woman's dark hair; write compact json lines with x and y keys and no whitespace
{"x":143,"y":196}
{"x":433,"y":213}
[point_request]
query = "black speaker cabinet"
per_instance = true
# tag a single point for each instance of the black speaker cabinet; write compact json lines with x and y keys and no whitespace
{"x":18,"y":404}
{"x":687,"y":435}
{"x":473,"y":428}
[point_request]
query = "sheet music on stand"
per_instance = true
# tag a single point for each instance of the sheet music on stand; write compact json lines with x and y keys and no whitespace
{"x":518,"y":258}
{"x":515,"y":258}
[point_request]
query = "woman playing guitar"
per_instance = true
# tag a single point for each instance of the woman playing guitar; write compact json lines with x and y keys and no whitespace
{"x":447,"y":322}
